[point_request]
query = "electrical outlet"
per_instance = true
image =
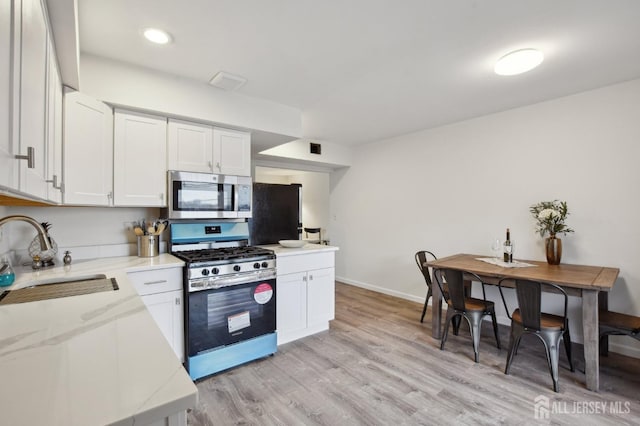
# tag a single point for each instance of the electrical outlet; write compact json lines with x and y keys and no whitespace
{"x":128,"y":226}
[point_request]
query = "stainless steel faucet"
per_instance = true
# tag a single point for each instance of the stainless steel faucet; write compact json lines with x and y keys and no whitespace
{"x":42,"y":234}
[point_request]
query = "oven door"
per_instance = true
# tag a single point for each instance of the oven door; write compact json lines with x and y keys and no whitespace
{"x":228,"y":315}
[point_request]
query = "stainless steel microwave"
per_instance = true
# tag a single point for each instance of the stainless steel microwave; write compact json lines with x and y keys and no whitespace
{"x":208,"y":196}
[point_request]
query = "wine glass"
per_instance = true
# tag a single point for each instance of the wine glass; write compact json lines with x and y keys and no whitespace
{"x":496,"y":248}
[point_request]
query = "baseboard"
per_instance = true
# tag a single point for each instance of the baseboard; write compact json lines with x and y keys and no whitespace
{"x":503,"y":320}
{"x":382,"y":290}
{"x":624,"y":350}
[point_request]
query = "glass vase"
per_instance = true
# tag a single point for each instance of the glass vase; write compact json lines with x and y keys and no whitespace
{"x":553,"y":246}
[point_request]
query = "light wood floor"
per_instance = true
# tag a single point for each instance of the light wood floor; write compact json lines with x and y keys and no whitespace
{"x":378,"y":365}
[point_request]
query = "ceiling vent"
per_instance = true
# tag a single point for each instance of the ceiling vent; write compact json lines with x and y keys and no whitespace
{"x":224,"y":80}
{"x":315,"y":148}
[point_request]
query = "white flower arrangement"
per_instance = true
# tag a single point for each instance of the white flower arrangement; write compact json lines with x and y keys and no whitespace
{"x":550,"y":217}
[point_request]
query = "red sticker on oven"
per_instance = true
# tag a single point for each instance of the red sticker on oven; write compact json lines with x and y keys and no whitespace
{"x":263,"y":293}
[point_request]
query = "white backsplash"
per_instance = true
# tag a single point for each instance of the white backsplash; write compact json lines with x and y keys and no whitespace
{"x":87,"y":232}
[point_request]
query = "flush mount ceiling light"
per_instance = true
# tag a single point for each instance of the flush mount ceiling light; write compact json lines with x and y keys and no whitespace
{"x":227,"y":81}
{"x":155,"y":35}
{"x":518,"y":61}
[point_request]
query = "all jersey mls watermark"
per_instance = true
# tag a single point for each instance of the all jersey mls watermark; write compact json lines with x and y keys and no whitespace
{"x":543,"y":407}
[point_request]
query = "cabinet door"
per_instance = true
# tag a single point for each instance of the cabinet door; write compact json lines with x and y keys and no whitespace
{"x":139,"y":159}
{"x":8,"y":176}
{"x":320,"y":295}
{"x":87,"y":151}
{"x":231,"y":152}
{"x":190,"y":147}
{"x":291,"y":302}
{"x":166,"y":310}
{"x":33,"y":83}
{"x":54,"y":130}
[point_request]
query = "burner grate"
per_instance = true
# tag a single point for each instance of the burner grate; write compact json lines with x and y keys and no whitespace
{"x":225,"y":253}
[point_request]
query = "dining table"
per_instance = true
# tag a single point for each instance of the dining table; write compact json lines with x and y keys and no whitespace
{"x":590,"y":283}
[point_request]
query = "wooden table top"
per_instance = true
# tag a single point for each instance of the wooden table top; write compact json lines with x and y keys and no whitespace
{"x":575,"y":276}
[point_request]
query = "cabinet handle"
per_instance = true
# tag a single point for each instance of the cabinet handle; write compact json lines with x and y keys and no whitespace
{"x":210,"y":164}
{"x":109,"y":195}
{"x":30,"y":157}
{"x":304,"y":278}
{"x":161,"y":196}
{"x":155,"y":282}
{"x":310,"y":277}
{"x":218,"y":165}
{"x":177,"y":301}
{"x":54,"y":181}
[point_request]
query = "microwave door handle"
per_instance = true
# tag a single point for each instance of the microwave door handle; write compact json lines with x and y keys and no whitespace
{"x":192,"y":184}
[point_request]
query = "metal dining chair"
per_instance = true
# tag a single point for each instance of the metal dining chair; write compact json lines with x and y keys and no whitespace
{"x":460,"y":305}
{"x":421,"y":259}
{"x":318,"y":231}
{"x":528,"y":318}
{"x":616,"y":324}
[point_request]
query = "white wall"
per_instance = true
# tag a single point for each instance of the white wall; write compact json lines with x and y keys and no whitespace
{"x":332,"y":155}
{"x":455,"y":188}
{"x":128,"y":85}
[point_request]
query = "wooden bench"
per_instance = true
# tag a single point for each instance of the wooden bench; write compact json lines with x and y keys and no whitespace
{"x":615,"y":323}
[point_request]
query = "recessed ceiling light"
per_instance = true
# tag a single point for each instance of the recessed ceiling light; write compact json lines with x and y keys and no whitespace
{"x":156,"y":36}
{"x":518,"y":61}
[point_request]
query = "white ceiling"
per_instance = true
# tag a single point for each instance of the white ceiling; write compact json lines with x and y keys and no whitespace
{"x":363,"y":70}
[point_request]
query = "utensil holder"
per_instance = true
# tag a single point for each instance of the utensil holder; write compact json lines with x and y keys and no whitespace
{"x":148,"y":245}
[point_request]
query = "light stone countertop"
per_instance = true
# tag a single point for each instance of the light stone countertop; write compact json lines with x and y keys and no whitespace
{"x":92,"y":359}
{"x":281,"y":251}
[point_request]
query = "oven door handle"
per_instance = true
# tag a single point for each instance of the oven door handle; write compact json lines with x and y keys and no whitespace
{"x":237,"y":280}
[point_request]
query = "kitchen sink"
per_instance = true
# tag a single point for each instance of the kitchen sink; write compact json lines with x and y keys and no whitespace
{"x":66,"y":280}
{"x":54,"y":288}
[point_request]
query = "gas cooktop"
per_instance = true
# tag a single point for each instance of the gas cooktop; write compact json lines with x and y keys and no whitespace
{"x":230,"y":254}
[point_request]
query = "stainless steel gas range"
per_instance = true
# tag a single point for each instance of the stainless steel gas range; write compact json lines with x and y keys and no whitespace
{"x":230,"y":290}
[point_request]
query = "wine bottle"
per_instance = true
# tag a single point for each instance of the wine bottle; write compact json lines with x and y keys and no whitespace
{"x":508,"y":248}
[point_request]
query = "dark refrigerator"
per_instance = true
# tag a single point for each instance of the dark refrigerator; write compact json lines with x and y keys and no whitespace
{"x":276,"y":213}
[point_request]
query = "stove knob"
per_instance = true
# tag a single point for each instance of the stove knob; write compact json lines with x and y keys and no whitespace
{"x":205,"y":272}
{"x":256,"y":265}
{"x":265,"y":265}
{"x":236,"y":268}
{"x":215,"y":271}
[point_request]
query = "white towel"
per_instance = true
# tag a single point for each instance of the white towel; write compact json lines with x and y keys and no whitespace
{"x":498,"y":262}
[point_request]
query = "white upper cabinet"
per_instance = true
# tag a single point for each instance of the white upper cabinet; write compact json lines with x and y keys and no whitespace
{"x":54,"y":130}
{"x":87,"y":151}
{"x":197,"y":147}
{"x":232,"y":152}
{"x":8,"y":176}
{"x":190,"y":147}
{"x":33,"y":99}
{"x":139,"y":159}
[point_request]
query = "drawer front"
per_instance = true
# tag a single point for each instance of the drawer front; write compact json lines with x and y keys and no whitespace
{"x":305,"y":262}
{"x":157,"y":280}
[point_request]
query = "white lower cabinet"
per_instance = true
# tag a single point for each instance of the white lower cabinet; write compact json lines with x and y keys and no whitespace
{"x":305,"y":295}
{"x":291,"y":305}
{"x":161,"y":292}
